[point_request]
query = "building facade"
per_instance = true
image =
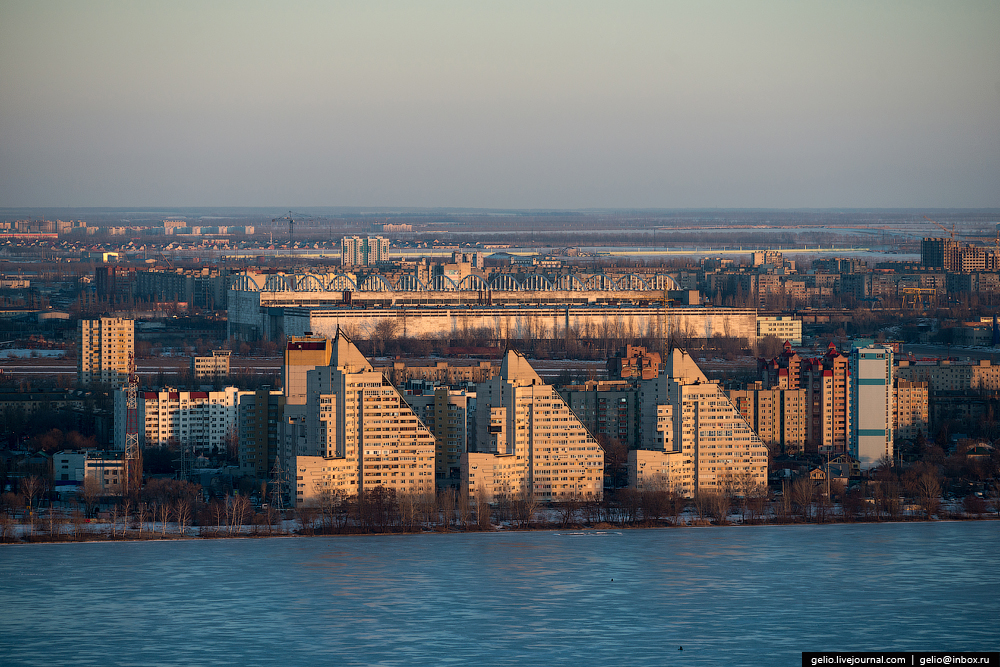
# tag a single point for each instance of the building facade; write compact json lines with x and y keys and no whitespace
{"x":528,"y":441}
{"x":871,"y":405}
{"x":211,"y":368}
{"x":364,"y":251}
{"x":450,"y":415}
{"x":355,"y":433}
{"x":202,"y":421}
{"x":694,"y":439}
{"x":106,"y":348}
{"x":783,"y":327}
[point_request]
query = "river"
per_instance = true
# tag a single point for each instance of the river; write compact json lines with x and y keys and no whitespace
{"x":728,"y":596}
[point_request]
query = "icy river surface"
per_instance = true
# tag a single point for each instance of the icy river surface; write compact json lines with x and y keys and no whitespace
{"x":728,"y":596}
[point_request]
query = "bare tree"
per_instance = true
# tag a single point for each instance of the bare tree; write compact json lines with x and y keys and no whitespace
{"x":464,"y":509}
{"x":802,"y":491}
{"x":446,"y":500}
{"x":182,"y":512}
{"x":482,"y":510}
{"x":568,"y":510}
{"x":525,"y":505}
{"x":91,"y":494}
{"x":31,"y":487}
{"x":929,"y":493}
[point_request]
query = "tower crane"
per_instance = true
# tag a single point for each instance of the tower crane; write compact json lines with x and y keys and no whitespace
{"x":291,"y":223}
{"x":951,"y":231}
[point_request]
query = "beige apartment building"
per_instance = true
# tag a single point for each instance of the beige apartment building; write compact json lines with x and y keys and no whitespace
{"x":528,"y":441}
{"x":212,"y":367}
{"x":448,"y":414}
{"x":945,"y":375}
{"x":694,"y":439}
{"x":355,"y":431}
{"x":777,"y":416}
{"x":106,"y":346}
{"x":910,"y":409}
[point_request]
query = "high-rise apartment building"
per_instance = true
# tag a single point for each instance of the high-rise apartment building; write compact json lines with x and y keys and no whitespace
{"x":106,"y":346}
{"x":528,"y":441}
{"x":260,"y":415}
{"x":777,"y":416}
{"x":200,"y":420}
{"x":911,"y":409}
{"x":357,"y":433}
{"x":450,"y":415}
{"x":694,"y":438}
{"x":363,"y":251}
{"x":826,"y":382}
{"x":871,"y":405}
{"x":609,"y":410}
{"x":939,"y":253}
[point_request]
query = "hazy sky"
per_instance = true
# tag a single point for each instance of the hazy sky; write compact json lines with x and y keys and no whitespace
{"x":500,"y":104}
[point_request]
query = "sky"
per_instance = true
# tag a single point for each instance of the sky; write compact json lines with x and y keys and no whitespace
{"x":503,"y":104}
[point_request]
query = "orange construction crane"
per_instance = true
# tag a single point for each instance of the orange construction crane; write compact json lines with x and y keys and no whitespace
{"x":952,"y":231}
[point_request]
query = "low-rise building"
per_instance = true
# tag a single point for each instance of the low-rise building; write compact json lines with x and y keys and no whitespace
{"x":211,"y":368}
{"x":783,"y":327}
{"x":104,"y":469}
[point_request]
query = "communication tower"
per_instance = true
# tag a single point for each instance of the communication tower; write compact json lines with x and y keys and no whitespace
{"x":133,"y":462}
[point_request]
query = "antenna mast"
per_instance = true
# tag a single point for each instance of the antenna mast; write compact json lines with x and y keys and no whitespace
{"x":133,"y":463}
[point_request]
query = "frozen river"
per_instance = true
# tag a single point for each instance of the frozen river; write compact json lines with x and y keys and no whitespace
{"x":729,"y":596}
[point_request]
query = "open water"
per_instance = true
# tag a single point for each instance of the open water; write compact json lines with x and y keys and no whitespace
{"x":729,"y":596}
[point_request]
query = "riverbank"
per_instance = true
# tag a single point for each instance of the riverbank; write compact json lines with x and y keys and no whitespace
{"x":89,"y":532}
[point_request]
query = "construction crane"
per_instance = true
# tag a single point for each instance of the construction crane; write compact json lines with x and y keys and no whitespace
{"x":133,"y":461}
{"x":291,"y":223}
{"x":951,"y":232}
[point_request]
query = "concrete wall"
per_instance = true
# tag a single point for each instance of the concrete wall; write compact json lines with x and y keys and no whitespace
{"x":524,"y":322}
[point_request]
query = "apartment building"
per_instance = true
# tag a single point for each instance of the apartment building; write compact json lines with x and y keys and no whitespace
{"x":950,"y":376}
{"x":528,"y":441}
{"x":363,"y":251}
{"x":450,"y":415}
{"x":871,"y":405}
{"x":826,"y":382}
{"x":608,"y":409}
{"x":356,"y":433}
{"x":449,"y":373}
{"x":784,"y":327}
{"x":777,"y":416}
{"x":910,"y":409}
{"x":694,"y":438}
{"x":211,"y":368}
{"x":106,"y":347}
{"x":260,"y":414}
{"x":204,"y":421}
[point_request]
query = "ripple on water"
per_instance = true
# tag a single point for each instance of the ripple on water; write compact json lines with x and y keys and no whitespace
{"x":751,"y":596}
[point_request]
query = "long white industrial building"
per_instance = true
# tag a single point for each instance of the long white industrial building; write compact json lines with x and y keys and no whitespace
{"x":600,"y":306}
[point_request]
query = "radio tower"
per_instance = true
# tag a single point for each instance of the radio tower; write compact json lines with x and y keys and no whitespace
{"x":133,"y":462}
{"x":276,"y":480}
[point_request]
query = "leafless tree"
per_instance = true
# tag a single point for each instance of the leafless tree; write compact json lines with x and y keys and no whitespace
{"x":446,"y":500}
{"x":568,"y":510}
{"x":929,"y":493}
{"x":464,"y":509}
{"x":802,"y":491}
{"x":31,"y":487}
{"x":525,"y":505}
{"x":141,"y":515}
{"x":482,"y":510}
{"x":91,"y":494}
{"x":6,"y":527}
